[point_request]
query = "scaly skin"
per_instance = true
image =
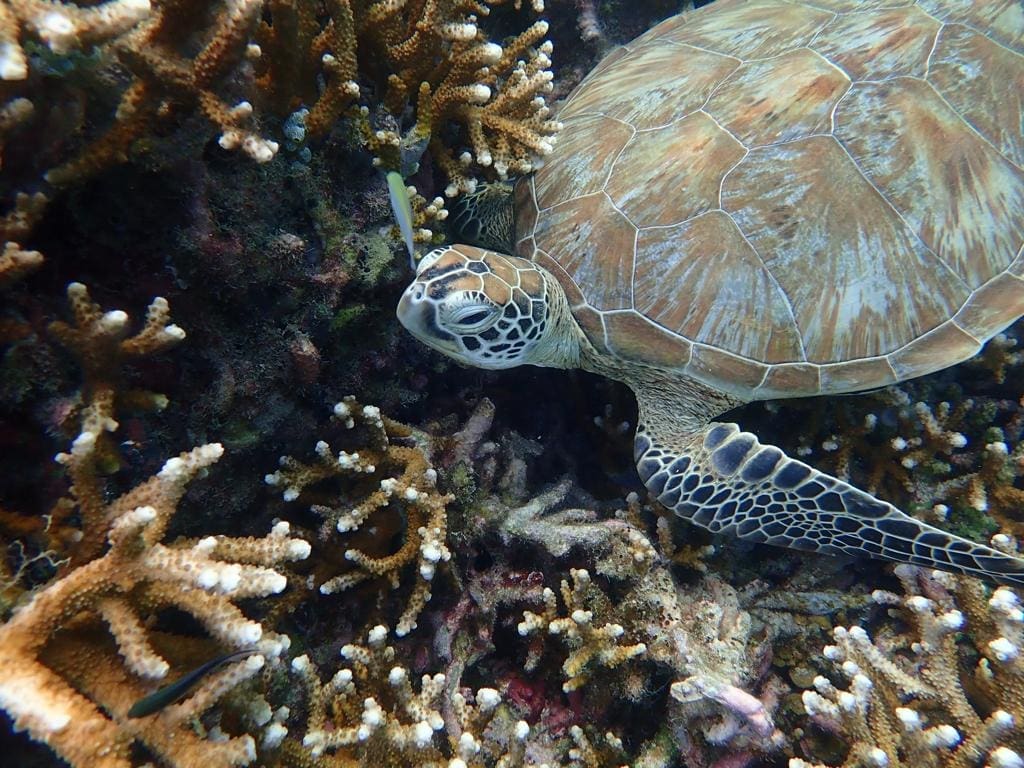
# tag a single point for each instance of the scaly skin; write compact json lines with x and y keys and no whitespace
{"x":493,"y":311}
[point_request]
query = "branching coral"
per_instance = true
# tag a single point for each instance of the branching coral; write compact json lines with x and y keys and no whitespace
{"x":15,"y":262}
{"x":908,"y":700}
{"x":428,"y":54}
{"x":61,"y":26}
{"x":368,"y":714}
{"x":64,"y":681}
{"x":76,"y":528}
{"x":100,"y":343}
{"x":82,"y":650}
{"x":168,"y":80}
{"x":387,"y":479}
{"x":701,"y":637}
{"x":593,"y":647}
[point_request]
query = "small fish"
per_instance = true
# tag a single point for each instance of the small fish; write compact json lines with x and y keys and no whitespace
{"x":401,"y":207}
{"x":173,"y":692}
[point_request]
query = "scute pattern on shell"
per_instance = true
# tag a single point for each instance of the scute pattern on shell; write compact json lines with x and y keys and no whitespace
{"x":793,"y":197}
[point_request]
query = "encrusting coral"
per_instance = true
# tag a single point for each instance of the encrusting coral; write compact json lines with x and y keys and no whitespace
{"x":384,"y":479}
{"x":82,"y":650}
{"x":911,"y":698}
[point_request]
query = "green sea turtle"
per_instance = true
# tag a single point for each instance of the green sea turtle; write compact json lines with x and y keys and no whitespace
{"x":760,"y":200}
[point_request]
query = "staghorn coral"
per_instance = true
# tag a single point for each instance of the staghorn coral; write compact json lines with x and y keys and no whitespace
{"x":169,"y":78}
{"x":368,"y":714}
{"x":100,"y":343}
{"x":419,"y":69}
{"x":592,"y":646}
{"x":62,"y":27}
{"x":77,"y":654}
{"x":700,"y":636}
{"x":911,"y":697}
{"x":76,"y":528}
{"x":429,"y":54}
{"x":382,"y":479}
{"x":15,"y":263}
{"x":63,"y":680}
{"x":17,"y":223}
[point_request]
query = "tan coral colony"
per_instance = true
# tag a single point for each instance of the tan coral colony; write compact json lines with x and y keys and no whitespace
{"x":759,"y":200}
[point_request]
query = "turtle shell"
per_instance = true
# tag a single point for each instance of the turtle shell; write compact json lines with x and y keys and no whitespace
{"x":792,"y":198}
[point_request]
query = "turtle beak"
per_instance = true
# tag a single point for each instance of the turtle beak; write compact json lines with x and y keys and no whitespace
{"x":412,"y":309}
{"x":419,"y":316}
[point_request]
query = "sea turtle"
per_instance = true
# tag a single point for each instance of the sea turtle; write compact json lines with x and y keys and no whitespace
{"x":758,"y":200}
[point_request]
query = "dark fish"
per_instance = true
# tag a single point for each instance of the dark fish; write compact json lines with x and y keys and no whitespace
{"x":173,"y":692}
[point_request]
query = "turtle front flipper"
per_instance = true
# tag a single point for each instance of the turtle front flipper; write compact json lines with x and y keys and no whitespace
{"x":726,"y":481}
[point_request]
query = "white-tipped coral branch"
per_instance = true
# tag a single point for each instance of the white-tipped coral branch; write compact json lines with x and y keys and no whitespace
{"x":61,"y":679}
{"x":904,"y":702}
{"x":404,"y":484}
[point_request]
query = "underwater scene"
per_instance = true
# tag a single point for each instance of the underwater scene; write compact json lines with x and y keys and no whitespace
{"x":512,"y":383}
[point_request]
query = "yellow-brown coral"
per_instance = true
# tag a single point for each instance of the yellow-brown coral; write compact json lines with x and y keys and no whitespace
{"x":430,"y":54}
{"x":389,"y":479}
{"x":100,"y":343}
{"x":368,"y":714}
{"x":65,"y":681}
{"x":906,"y":703}
{"x":592,"y":646}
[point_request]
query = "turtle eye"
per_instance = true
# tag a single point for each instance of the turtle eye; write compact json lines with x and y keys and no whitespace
{"x":473,"y":318}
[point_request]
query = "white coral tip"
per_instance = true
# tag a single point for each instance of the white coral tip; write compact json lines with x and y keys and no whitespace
{"x":878,"y":757}
{"x":944,"y":736}
{"x":909,"y":717}
{"x":488,"y":698}
{"x":422,"y":733}
{"x":1004,"y":757}
{"x":1003,"y":649}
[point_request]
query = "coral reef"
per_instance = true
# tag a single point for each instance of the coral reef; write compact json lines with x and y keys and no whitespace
{"x":435,"y":726}
{"x":15,"y":263}
{"x":594,"y":647}
{"x":433,"y":56}
{"x":69,"y":682}
{"x":399,"y":482}
{"x":383,"y":609}
{"x":64,"y":681}
{"x":910,"y":697}
{"x":302,"y":67}
{"x":956,"y":460}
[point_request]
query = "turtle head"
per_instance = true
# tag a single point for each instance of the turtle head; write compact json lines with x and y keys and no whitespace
{"x":483,"y":308}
